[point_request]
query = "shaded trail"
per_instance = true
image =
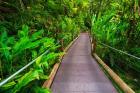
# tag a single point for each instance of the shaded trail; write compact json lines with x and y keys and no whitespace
{"x":79,"y":72}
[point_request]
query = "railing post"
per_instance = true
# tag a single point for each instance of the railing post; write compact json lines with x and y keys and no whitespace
{"x":93,"y":42}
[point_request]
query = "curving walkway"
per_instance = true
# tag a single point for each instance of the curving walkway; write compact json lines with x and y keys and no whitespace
{"x":79,"y":72}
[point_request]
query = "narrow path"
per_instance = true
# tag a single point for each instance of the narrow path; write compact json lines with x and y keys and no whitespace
{"x":80,"y":73}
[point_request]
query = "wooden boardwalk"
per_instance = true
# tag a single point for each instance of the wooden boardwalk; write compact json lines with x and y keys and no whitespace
{"x":79,"y":72}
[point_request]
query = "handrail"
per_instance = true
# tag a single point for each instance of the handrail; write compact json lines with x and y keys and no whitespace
{"x":120,"y":51}
{"x":114,"y":76}
{"x":20,"y":70}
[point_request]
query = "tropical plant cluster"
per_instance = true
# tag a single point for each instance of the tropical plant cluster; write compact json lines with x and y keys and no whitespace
{"x":117,"y":24}
{"x":30,"y":27}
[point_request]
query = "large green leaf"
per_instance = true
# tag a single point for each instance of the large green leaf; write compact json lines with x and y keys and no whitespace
{"x":25,"y":79}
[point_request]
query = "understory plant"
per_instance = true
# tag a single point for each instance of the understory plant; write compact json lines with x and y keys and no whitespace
{"x":20,"y":50}
{"x":117,"y":25}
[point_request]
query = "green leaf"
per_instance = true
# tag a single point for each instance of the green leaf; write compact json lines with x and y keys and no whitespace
{"x":25,"y":79}
{"x":37,"y":35}
{"x":42,"y":76}
{"x":21,"y":45}
{"x":34,"y":54}
{"x":24,"y":32}
{"x":38,"y":60}
{"x":4,"y":46}
{"x":8,"y":85}
{"x":41,"y":90}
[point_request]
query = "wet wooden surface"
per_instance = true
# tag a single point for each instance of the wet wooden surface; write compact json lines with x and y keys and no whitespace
{"x":79,"y":72}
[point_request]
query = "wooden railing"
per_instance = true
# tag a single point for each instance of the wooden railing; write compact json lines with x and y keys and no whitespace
{"x":111,"y":73}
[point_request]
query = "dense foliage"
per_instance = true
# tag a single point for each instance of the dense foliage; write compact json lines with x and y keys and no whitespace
{"x":117,"y":24}
{"x":30,"y":27}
